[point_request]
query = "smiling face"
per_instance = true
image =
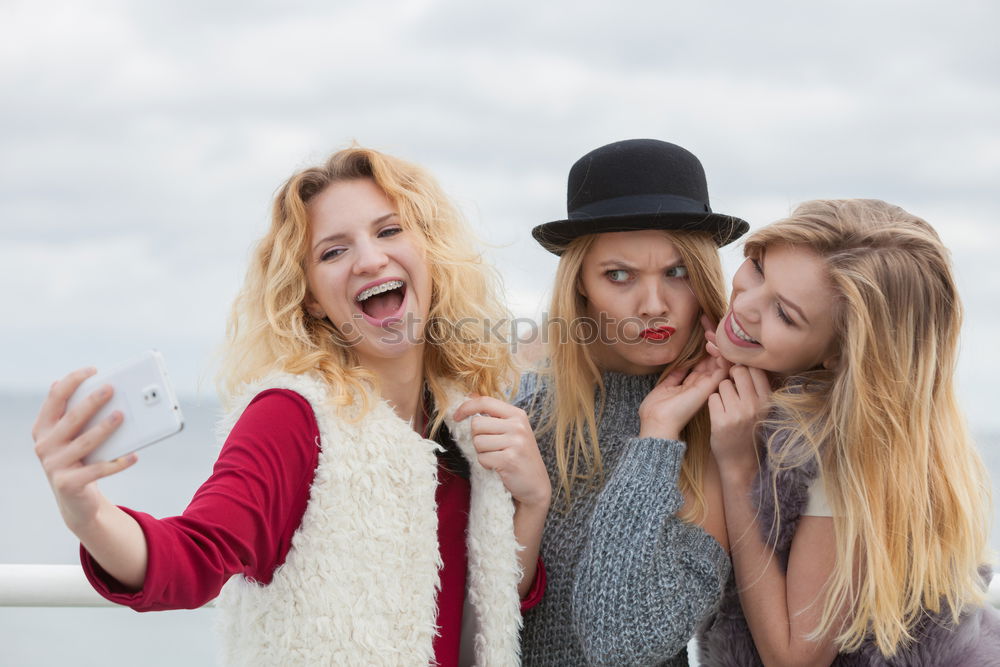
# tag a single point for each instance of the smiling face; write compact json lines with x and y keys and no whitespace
{"x":366,"y":273}
{"x":635,"y":286}
{"x":781,"y":314}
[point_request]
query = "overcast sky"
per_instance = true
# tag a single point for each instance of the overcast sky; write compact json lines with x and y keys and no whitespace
{"x":141,"y":142}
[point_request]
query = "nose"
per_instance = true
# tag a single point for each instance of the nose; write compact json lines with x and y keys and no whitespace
{"x":369,"y":258}
{"x":746,"y":303}
{"x":653,"y":300}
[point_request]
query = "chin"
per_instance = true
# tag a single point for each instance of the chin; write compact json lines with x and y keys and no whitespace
{"x":730,"y":352}
{"x":647,"y":364}
{"x":397,"y":349}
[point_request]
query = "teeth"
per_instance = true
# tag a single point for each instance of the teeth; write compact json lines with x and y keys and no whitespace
{"x":378,"y":289}
{"x":740,"y":333}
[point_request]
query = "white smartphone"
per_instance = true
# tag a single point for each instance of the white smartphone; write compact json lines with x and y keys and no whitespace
{"x":146,"y":400}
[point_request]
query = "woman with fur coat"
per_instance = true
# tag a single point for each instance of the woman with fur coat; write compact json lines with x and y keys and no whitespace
{"x":362,"y":499}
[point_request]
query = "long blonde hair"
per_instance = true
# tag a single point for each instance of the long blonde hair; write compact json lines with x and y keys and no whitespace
{"x":572,"y":412}
{"x":269,"y":328}
{"x":907,"y":489}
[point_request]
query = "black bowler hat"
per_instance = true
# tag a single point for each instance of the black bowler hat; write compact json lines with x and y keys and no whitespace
{"x":637,"y":184}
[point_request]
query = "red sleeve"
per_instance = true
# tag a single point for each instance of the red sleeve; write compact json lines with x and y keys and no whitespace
{"x":537,"y":589}
{"x":240,"y":521}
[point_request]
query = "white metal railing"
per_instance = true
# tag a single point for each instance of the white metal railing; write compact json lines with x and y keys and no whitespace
{"x":66,"y":586}
{"x":48,"y":586}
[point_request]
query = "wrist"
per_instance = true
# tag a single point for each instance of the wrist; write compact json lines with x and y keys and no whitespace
{"x":738,"y":473}
{"x":538,"y":504}
{"x":83,"y":523}
{"x":661,"y":431}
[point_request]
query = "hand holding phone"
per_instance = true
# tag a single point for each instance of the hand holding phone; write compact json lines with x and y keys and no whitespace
{"x":82,"y":436}
{"x":143,"y":395}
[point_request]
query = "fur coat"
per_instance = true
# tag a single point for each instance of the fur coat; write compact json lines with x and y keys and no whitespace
{"x":359,"y":584}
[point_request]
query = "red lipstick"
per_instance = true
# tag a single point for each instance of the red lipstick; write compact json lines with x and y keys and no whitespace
{"x":658,"y":333}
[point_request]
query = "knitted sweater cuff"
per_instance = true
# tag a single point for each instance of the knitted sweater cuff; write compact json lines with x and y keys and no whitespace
{"x":652,"y":467}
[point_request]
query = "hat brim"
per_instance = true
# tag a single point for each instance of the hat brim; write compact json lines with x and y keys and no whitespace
{"x":555,"y":236}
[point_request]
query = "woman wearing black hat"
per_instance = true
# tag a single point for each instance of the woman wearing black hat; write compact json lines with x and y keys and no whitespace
{"x":635,"y":547}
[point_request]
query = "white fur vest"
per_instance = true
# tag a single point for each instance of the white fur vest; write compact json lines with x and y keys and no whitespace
{"x":360,"y":581}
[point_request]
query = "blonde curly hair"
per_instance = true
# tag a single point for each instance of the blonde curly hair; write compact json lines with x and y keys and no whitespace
{"x":270,"y":330}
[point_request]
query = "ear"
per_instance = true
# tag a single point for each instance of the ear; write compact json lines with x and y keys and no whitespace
{"x":831,"y":362}
{"x":313,"y":308}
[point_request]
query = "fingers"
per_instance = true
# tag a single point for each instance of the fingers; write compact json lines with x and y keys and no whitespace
{"x":491,"y":443}
{"x":761,"y":381}
{"x":55,"y":403}
{"x":715,"y":355}
{"x":707,"y":364}
{"x":83,"y":444}
{"x":708,"y":324}
{"x":493,"y":460}
{"x":484,"y":425}
{"x":715,"y":407}
{"x":673,"y":379}
{"x":492,"y":434}
{"x":496,"y":425}
{"x":751,"y":382}
{"x":486,"y":405}
{"x":708,"y":373}
{"x":744,"y":383}
{"x":71,"y":423}
{"x":68,"y":481}
{"x":728,"y":393}
{"x":57,"y":436}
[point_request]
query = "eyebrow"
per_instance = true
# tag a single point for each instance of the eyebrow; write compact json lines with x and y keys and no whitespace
{"x":782,"y":299}
{"x":338,"y":236}
{"x":794,"y":307}
{"x":628,"y":265}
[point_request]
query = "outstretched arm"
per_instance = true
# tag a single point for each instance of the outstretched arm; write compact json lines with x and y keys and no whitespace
{"x":781,"y":608}
{"x":241,"y":520}
{"x":112,"y":537}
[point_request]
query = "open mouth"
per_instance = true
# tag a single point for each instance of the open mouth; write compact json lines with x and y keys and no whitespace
{"x":382,"y":301}
{"x":737,"y":334}
{"x":657,"y":333}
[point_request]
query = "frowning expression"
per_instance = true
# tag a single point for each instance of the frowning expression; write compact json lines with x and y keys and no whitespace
{"x":636,"y":288}
{"x":366,"y":272}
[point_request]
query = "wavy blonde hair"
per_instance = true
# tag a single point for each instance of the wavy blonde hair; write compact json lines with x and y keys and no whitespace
{"x":907,"y":488}
{"x":270,"y":329}
{"x":572,"y":412}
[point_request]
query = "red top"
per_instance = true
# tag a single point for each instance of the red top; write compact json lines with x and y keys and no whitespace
{"x":241,"y":521}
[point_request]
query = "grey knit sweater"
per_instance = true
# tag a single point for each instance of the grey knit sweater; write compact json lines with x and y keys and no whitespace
{"x":628,"y":582}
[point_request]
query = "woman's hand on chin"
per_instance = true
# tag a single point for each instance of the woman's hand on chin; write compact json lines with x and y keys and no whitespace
{"x":739,"y":404}
{"x":672,"y":403}
{"x":711,"y":346}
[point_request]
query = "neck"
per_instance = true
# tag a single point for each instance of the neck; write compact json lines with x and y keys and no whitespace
{"x":401,"y":383}
{"x":608,"y":362}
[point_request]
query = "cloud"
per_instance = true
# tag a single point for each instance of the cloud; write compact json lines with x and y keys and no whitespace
{"x":142,"y":142}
